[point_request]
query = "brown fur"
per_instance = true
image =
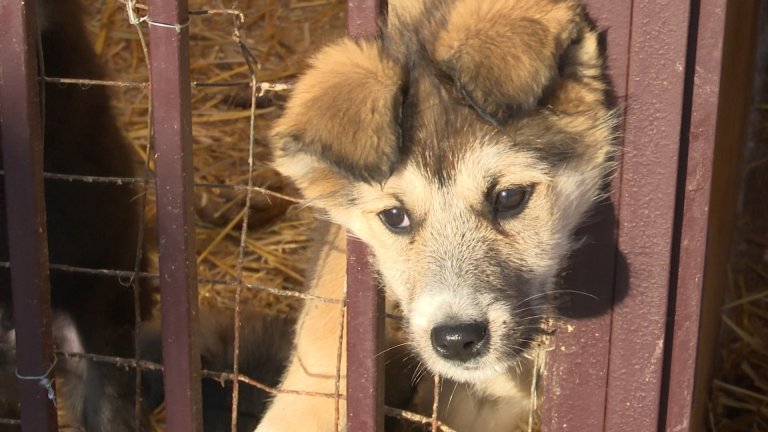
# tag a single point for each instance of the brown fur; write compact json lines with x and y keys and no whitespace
{"x":496,"y":96}
{"x":342,"y":70}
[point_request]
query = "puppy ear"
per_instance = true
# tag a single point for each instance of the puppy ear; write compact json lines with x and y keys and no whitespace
{"x":502,"y":55}
{"x":581,"y":86}
{"x":343,"y":115}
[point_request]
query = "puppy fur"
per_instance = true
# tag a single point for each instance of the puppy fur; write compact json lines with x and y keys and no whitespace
{"x":413,"y":142}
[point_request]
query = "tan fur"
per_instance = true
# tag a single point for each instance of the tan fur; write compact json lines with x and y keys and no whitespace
{"x":325,"y":131}
{"x":313,"y":365}
{"x":505,"y":56}
{"x":503,"y":95}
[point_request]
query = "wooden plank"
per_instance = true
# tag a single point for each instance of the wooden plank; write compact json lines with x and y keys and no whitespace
{"x":363,"y":17}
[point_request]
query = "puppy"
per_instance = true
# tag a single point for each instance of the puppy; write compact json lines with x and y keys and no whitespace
{"x":464,"y":146}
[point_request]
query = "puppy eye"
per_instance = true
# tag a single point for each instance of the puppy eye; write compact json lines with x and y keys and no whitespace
{"x":395,"y":218}
{"x":510,"y":202}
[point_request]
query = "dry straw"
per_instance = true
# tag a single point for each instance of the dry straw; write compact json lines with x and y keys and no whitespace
{"x":279,"y":37}
{"x":739,"y":400}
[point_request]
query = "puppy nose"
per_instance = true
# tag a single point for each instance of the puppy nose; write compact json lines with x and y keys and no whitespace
{"x":460,"y":341}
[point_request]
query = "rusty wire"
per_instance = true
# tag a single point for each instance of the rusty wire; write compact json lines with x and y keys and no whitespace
{"x":140,"y":240}
{"x":413,"y":417}
{"x":10,"y":422}
{"x":145,"y":181}
{"x":339,"y":353}
{"x":216,"y":375}
{"x":86,"y":83}
{"x":238,"y":21}
{"x":210,"y":281}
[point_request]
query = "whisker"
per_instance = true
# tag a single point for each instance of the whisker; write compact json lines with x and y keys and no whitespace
{"x":450,"y":399}
{"x":524,"y":309}
{"x":418,"y":374}
{"x":393,"y":347}
{"x":424,"y":372}
{"x":534,"y":326}
{"x":557,"y":292}
{"x":403,"y":357}
{"x":541,"y":316}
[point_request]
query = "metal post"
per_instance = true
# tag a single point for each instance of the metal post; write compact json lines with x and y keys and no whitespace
{"x":22,"y":144}
{"x":365,"y":302}
{"x":576,"y":369}
{"x":652,"y":127}
{"x":720,"y":70}
{"x":172,"y":137}
{"x":365,"y":336}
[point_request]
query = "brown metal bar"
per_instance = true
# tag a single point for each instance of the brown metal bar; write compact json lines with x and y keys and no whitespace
{"x":363,"y":17}
{"x":365,"y":336}
{"x":365,"y":302}
{"x":720,"y":96}
{"x":693,"y":205}
{"x":172,"y":137}
{"x":22,"y":146}
{"x":575,"y":379}
{"x":653,"y":123}
{"x":576,"y":369}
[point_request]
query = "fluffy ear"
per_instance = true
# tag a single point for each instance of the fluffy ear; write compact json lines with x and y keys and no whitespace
{"x":504,"y":55}
{"x":343,"y":116}
{"x":580,"y":86}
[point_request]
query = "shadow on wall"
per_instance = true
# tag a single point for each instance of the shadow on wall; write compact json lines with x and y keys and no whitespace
{"x":599,"y":274}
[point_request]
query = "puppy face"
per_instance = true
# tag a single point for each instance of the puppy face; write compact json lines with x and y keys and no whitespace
{"x":466,"y":178}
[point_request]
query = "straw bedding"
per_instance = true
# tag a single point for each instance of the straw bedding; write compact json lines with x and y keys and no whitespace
{"x":281,"y":35}
{"x":739,"y":400}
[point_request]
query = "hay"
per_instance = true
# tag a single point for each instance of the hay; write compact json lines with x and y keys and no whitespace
{"x":739,"y":399}
{"x":281,"y":35}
